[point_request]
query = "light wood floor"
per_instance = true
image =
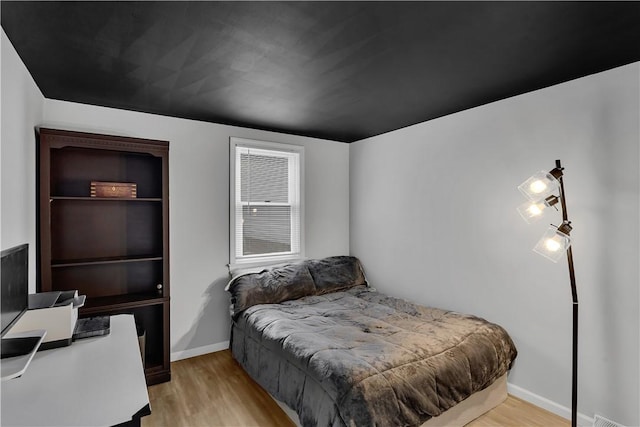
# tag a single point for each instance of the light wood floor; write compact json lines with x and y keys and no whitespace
{"x":213,"y":390}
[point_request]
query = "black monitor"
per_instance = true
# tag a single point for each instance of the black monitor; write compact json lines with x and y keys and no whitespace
{"x":14,"y":296}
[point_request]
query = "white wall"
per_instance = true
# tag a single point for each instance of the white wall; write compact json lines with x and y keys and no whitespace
{"x":199,"y":207}
{"x":433,"y":219}
{"x":21,"y":111}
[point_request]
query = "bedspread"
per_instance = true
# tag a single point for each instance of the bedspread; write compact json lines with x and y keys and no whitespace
{"x":361,"y":358}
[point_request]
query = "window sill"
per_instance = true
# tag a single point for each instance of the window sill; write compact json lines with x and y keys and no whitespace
{"x":262,"y":263}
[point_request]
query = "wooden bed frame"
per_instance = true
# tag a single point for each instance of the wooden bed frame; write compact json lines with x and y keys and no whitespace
{"x":458,"y":416}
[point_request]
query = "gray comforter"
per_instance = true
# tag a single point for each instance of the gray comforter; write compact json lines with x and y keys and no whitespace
{"x":360,"y":358}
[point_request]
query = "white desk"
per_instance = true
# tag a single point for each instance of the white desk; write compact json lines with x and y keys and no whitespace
{"x":93,"y":382}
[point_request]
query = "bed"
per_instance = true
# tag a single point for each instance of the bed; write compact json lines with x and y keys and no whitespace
{"x":336,"y":352}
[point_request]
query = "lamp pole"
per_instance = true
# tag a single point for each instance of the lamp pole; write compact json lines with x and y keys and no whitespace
{"x":574,"y":296}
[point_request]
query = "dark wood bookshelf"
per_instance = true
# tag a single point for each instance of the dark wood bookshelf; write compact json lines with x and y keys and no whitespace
{"x":114,"y":250}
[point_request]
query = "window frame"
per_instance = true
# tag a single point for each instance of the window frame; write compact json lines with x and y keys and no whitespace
{"x":234,"y":174}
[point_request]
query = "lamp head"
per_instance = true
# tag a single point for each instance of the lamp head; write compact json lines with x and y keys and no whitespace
{"x":541,"y":184}
{"x":533,"y":211}
{"x":555,"y":242}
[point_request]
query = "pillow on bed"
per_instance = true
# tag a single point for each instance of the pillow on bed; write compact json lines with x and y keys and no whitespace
{"x":336,"y":273}
{"x":270,"y":286}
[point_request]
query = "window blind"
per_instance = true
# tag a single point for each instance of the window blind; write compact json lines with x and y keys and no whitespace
{"x":267,"y":203}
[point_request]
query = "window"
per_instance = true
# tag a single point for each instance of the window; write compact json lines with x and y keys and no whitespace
{"x":266,"y":193}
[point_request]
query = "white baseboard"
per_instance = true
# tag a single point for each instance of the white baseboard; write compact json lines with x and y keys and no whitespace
{"x":199,"y":351}
{"x":547,"y":404}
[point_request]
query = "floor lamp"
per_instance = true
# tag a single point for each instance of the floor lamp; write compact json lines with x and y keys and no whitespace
{"x":540,"y":189}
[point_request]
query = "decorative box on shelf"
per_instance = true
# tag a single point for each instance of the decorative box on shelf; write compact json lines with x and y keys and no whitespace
{"x":113,"y":189}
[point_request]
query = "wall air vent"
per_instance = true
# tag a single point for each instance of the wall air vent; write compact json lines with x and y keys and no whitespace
{"x":600,"y":421}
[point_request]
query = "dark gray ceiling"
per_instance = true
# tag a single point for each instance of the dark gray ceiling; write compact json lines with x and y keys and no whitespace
{"x":337,"y":70}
